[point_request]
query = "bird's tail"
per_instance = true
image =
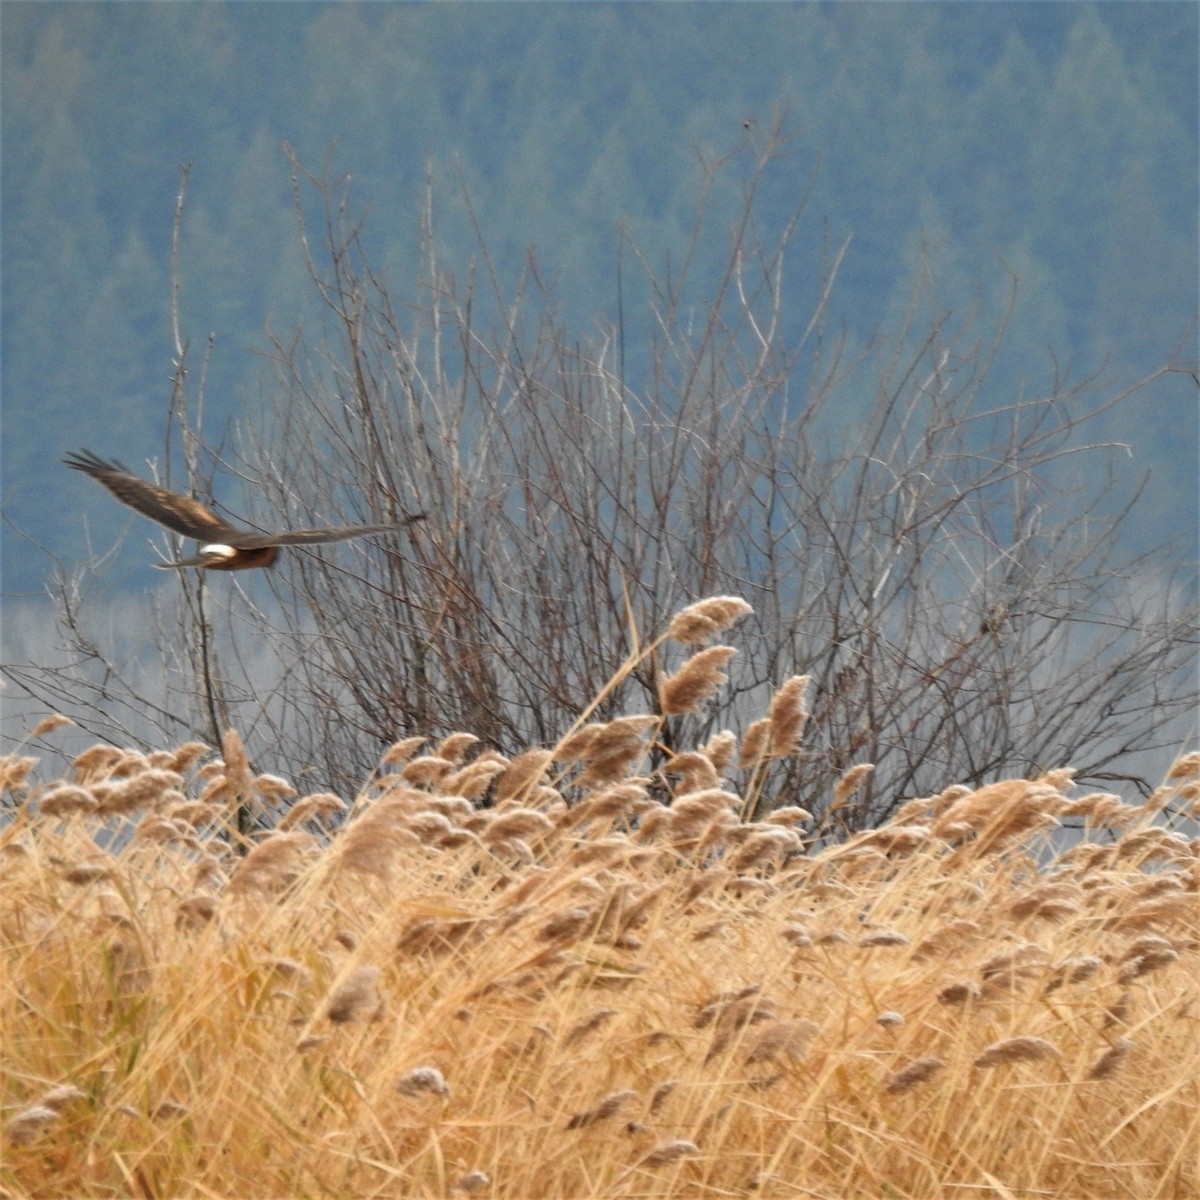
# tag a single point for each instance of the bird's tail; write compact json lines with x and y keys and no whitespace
{"x":197,"y":560}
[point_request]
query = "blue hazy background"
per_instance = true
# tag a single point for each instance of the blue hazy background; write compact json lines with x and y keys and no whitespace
{"x":1050,"y":144}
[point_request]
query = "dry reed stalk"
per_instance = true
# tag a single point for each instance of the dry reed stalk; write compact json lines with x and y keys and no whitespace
{"x":431,"y":936}
{"x":94,"y":763}
{"x":184,"y":757}
{"x":515,"y":852}
{"x":84,"y":873}
{"x":781,"y":1039}
{"x":614,"y":802}
{"x":1017,"y":1049}
{"x":569,"y":925}
{"x":193,"y":812}
{"x":1185,"y":767}
{"x":455,"y":745}
{"x":764,"y":848}
{"x":938,"y":804}
{"x":154,"y":828}
{"x":1014,"y":967}
{"x":850,"y":782}
{"x":694,"y":770}
{"x":369,"y":845}
{"x":607,"y":1107}
{"x":798,"y":935}
{"x":14,"y":772}
{"x":472,"y":781}
{"x":426,"y":771}
{"x":1060,"y":779}
{"x":127,"y":965}
{"x":959,"y":993}
{"x":1074,"y":970}
{"x":270,"y":788}
{"x":66,"y":799}
{"x":1152,"y":844}
{"x":884,"y":937}
{"x":891,"y":839}
{"x":1164,"y":883}
{"x":755,"y":743}
{"x":788,"y":715}
{"x":1148,"y":953}
{"x":402,"y":751}
{"x":521,"y":775}
{"x":130,"y":763}
{"x":218,"y":791}
{"x":271,"y":865}
{"x":420,"y":1081}
{"x":49,"y":725}
{"x":669,"y":1152}
{"x":703,"y":620}
{"x":999,"y":813}
{"x":139,"y":791}
{"x":587,"y":1025}
{"x":453,"y":808}
{"x":195,"y":912}
{"x":1052,"y":901}
{"x":429,"y":828}
{"x":731,"y":1018}
{"x":720,"y":749}
{"x":920,"y":1070}
{"x":614,"y":765}
{"x":661,"y":1095}
{"x":695,"y":681}
{"x":29,"y":1124}
{"x":577,"y":746}
{"x":946,"y":939}
{"x":315,"y":807}
{"x":238,"y":775}
{"x":357,"y":997}
{"x":788,"y":815}
{"x":1174,"y":907}
{"x":1111,"y":1061}
{"x":523,"y":823}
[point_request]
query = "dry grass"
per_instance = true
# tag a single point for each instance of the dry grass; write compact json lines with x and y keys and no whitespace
{"x":579,"y":992}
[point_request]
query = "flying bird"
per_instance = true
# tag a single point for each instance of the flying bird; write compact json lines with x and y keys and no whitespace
{"x":224,"y":547}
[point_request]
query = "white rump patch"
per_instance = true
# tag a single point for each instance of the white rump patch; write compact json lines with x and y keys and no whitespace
{"x":219,"y":550}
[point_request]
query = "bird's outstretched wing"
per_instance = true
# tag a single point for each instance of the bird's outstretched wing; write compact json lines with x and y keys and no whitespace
{"x":312,"y":537}
{"x":176,"y":512}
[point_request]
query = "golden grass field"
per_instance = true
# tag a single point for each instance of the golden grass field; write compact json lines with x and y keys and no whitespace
{"x":581,"y":992}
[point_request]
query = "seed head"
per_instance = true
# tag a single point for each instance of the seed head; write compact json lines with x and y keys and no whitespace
{"x":29,"y":1124}
{"x":423,"y":1080}
{"x":65,"y":799}
{"x":787,"y":715}
{"x":49,"y":724}
{"x":669,"y":1152}
{"x":357,"y":997}
{"x":402,"y":751}
{"x":918,"y":1071}
{"x":703,"y":620}
{"x":695,"y":681}
{"x":522,"y":773}
{"x":1110,"y":1062}
{"x":1017,"y":1049}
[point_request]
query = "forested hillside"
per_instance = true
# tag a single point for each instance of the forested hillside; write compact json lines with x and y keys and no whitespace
{"x":1050,"y":146}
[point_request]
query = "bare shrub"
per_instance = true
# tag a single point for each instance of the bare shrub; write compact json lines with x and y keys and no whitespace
{"x":939,"y":558}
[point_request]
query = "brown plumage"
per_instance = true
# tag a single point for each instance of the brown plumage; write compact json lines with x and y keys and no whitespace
{"x":225,"y":548}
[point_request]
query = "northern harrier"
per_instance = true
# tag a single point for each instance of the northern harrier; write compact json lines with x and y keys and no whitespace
{"x":225,"y":547}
